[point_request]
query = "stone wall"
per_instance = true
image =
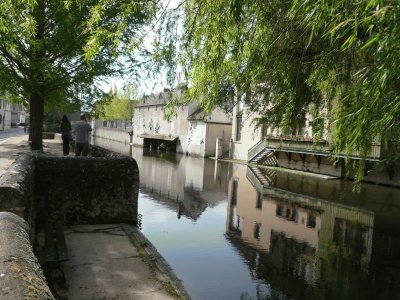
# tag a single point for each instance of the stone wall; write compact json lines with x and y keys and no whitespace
{"x":20,"y":274}
{"x":96,"y":151}
{"x":88,"y":189}
{"x":385,"y":176}
{"x":113,"y":134}
{"x":17,"y":188}
{"x":42,"y":188}
{"x":310,"y":164}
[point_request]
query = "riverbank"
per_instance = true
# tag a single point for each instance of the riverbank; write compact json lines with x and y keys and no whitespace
{"x":216,"y":227}
{"x":104,"y":263}
{"x":291,"y":171}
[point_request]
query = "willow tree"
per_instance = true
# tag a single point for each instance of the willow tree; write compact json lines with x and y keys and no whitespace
{"x":286,"y":56}
{"x":53,"y":50}
{"x":258,"y":49}
{"x":364,"y":80}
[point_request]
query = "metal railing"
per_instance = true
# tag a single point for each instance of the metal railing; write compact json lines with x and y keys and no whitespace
{"x":299,"y":145}
{"x":254,"y":180}
{"x":257,"y":148}
{"x":308,"y":145}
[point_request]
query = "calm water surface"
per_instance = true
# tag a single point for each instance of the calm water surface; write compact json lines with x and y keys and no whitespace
{"x":228,"y":235}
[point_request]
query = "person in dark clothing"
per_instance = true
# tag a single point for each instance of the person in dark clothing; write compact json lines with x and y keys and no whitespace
{"x":65,"y":129}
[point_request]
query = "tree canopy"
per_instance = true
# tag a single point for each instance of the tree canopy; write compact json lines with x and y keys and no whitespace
{"x":118,"y":104}
{"x":52,"y":51}
{"x":338,"y":59}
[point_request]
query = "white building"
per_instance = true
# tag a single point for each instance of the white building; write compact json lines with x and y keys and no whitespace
{"x":204,"y":130}
{"x":5,"y":114}
{"x":191,"y":131}
{"x":18,"y":114}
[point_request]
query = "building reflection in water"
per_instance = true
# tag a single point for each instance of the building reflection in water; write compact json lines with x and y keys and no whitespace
{"x":186,"y":184}
{"x":293,"y":236}
{"x":304,"y":246}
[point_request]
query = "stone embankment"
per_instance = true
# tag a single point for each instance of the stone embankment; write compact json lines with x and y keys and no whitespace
{"x":43,"y":188}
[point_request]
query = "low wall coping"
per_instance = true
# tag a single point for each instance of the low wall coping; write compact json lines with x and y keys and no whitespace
{"x":21,"y":276}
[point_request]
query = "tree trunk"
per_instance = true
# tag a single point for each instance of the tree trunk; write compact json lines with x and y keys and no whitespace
{"x":36,"y":98}
{"x":36,"y":121}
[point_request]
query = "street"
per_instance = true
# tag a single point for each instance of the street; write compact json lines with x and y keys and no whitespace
{"x":13,"y":132}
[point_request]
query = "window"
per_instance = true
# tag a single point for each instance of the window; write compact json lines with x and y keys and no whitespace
{"x":241,"y":102}
{"x":280,"y":210}
{"x":257,"y":228}
{"x":259,"y":200}
{"x":312,"y":220}
{"x":139,"y":122}
{"x":238,"y":127}
{"x":156,"y":125}
{"x":264,"y":130}
{"x":234,"y":191}
{"x":351,"y":235}
{"x":299,"y":129}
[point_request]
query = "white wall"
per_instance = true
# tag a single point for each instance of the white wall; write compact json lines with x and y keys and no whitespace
{"x":196,"y":138}
{"x":5,"y":112}
{"x":150,"y":120}
{"x":215,"y":131}
{"x":114,"y":134}
{"x":202,"y":137}
{"x":249,"y":135}
{"x":219,"y":116}
{"x":193,"y":136}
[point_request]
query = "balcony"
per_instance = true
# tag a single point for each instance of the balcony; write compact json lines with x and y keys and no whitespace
{"x":304,"y":145}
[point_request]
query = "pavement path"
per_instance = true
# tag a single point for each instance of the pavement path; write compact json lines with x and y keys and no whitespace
{"x":14,"y":143}
{"x":112,"y":261}
{"x":103,"y":264}
{"x":10,"y":148}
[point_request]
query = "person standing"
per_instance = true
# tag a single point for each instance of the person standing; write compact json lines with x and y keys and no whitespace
{"x":81,"y":132}
{"x":65,"y":129}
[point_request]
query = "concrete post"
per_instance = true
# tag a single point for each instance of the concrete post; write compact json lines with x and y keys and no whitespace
{"x":218,"y":148}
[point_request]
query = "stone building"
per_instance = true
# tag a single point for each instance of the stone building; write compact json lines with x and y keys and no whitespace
{"x":297,"y":149}
{"x":294,"y":225}
{"x":18,"y":114}
{"x":190,"y":131}
{"x":11,"y":114}
{"x":5,"y":114}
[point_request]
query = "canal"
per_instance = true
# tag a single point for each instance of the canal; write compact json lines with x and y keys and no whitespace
{"x":233,"y":232}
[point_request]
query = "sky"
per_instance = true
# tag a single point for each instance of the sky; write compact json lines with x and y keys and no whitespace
{"x":147,"y":85}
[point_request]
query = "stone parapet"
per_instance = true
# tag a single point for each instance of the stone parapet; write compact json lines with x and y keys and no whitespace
{"x":37,"y":189}
{"x":21,"y":276}
{"x":17,"y":187}
{"x":89,"y":189}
